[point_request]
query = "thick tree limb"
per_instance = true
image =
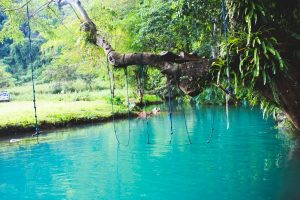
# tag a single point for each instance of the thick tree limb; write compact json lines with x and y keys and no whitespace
{"x":190,"y":72}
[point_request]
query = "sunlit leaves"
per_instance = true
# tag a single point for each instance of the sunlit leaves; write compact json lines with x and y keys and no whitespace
{"x":6,"y":79}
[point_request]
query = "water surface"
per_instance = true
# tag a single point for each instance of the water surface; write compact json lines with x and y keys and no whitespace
{"x":251,"y":160}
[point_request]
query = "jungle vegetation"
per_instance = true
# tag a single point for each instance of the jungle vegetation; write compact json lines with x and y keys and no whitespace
{"x":72,"y":40}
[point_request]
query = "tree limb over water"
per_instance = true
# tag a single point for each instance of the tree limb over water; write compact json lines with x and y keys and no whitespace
{"x":190,"y":72}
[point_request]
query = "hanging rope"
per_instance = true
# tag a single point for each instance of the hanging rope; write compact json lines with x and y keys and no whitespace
{"x":145,"y":103}
{"x":227,"y":111}
{"x":224,"y":14}
{"x":170,"y":114}
{"x":185,"y":123}
{"x":37,"y":132}
{"x":212,"y":128}
{"x":228,"y":89}
{"x":128,"y":104}
{"x":182,"y":108}
{"x":111,"y":100}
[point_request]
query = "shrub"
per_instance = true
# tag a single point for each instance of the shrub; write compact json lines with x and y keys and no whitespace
{"x":57,"y":88}
{"x":78,"y":85}
{"x":6,"y":79}
{"x":82,"y":97}
{"x":117,"y":100}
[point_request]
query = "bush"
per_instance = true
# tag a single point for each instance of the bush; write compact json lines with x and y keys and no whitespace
{"x":60,"y":73}
{"x":6,"y":79}
{"x":117,"y":100}
{"x":210,"y":95}
{"x":76,"y":86}
{"x":69,"y":86}
{"x":57,"y":88}
{"x":152,"y":98}
{"x":98,"y":84}
{"x":82,"y":97}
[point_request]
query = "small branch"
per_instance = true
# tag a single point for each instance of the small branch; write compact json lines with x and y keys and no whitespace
{"x":75,"y":12}
{"x":15,"y":9}
{"x":61,"y":21}
{"x":42,"y":7}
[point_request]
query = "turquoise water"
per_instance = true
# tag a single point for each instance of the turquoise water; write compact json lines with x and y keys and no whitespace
{"x":251,"y":160}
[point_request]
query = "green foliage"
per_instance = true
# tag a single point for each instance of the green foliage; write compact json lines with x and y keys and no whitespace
{"x":151,"y":26}
{"x":170,"y":25}
{"x":258,"y":60}
{"x":64,"y":59}
{"x":211,"y":95}
{"x":256,"y":54}
{"x":268,"y":108}
{"x":155,"y":81}
{"x":149,"y":99}
{"x":60,"y":73}
{"x":19,"y":115}
{"x":117,"y":100}
{"x":130,"y":26}
{"x":18,"y":60}
{"x":6,"y":79}
{"x":69,"y":86}
{"x":10,"y":26}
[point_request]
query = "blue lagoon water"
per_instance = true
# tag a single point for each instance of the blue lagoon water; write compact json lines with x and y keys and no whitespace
{"x":251,"y":160}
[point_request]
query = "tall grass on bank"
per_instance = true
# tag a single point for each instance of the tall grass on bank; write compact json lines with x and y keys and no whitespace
{"x":61,"y":109}
{"x":20,"y":114}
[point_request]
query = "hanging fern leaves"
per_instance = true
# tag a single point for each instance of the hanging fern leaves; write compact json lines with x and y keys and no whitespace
{"x":255,"y":53}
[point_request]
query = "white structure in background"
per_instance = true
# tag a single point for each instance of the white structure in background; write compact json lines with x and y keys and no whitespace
{"x":4,"y":96}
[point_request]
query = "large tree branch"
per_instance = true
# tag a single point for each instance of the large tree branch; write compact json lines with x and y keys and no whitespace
{"x":190,"y":72}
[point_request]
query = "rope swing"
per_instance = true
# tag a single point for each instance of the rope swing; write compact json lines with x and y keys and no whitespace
{"x":37,"y":131}
{"x":182,"y":109}
{"x":185,"y":123}
{"x":128,"y":104}
{"x":170,"y":114}
{"x":111,"y":99}
{"x":228,"y":90}
{"x":112,"y":104}
{"x":145,"y":104}
{"x":143,"y":93}
{"x":212,"y":128}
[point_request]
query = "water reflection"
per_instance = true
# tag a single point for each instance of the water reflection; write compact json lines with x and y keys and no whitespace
{"x":290,"y":178}
{"x":249,"y":161}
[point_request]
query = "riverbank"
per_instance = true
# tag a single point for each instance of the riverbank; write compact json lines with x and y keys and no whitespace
{"x":17,"y":117}
{"x":69,"y":107}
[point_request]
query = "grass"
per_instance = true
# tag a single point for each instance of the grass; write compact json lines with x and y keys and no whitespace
{"x":19,"y":115}
{"x":59,"y":110}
